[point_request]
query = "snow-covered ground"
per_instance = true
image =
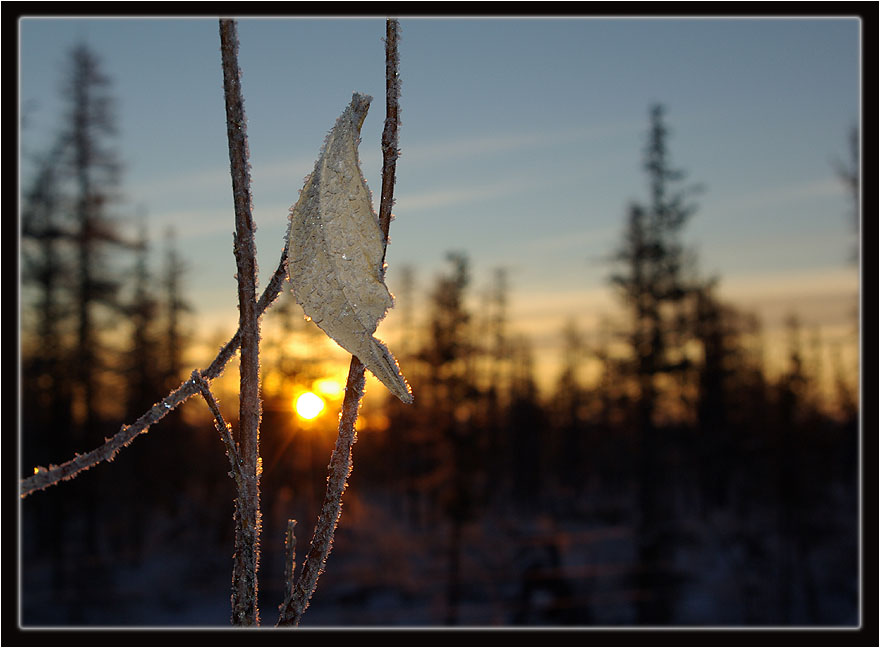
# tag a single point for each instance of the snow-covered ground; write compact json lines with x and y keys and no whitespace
{"x":563,"y":565}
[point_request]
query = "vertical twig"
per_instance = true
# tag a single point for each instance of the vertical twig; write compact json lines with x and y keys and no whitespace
{"x":289,"y":561}
{"x":340,"y":461}
{"x":339,"y":469}
{"x":390,"y":150}
{"x":247,"y":509}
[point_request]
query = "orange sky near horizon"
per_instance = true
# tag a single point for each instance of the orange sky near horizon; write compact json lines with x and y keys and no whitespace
{"x":825,"y":304}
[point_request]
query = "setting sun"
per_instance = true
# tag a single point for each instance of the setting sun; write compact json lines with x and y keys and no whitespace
{"x":308,"y":405}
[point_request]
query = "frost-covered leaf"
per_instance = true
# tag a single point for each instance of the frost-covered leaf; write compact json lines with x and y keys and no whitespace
{"x":336,"y":251}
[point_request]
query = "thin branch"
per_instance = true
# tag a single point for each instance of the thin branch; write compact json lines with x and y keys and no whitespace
{"x":221,"y":425}
{"x":45,"y":477}
{"x":245,"y":610}
{"x":289,"y":563}
{"x":390,"y":151}
{"x":339,"y":470}
{"x":340,"y":461}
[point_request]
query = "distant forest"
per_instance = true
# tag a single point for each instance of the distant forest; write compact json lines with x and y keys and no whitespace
{"x":682,"y":484}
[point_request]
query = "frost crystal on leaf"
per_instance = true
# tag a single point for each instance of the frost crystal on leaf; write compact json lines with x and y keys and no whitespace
{"x":336,"y":252}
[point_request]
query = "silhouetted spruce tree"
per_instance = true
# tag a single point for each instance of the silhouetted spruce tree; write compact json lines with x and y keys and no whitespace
{"x":89,"y":132}
{"x":570,"y":449}
{"x":613,"y":419}
{"x":450,"y":398}
{"x":68,"y":230}
{"x":46,"y":391}
{"x":403,"y":446}
{"x":141,"y":374}
{"x":46,"y":316}
{"x":94,"y":168}
{"x":792,"y":445}
{"x":652,"y":284}
{"x":724,"y":370}
{"x":847,"y":387}
{"x":525,"y":430}
{"x":848,"y":172}
{"x":174,"y":307}
{"x":496,"y":387}
{"x":845,"y":396}
{"x":141,"y":362}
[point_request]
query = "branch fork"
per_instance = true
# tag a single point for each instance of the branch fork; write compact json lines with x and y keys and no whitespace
{"x":244,"y":459}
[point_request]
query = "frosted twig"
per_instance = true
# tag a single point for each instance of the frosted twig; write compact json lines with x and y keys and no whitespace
{"x":390,"y":150}
{"x":245,"y":610}
{"x":340,"y":460}
{"x":339,"y":469}
{"x":289,"y":563}
{"x":220,"y":424}
{"x":45,"y":477}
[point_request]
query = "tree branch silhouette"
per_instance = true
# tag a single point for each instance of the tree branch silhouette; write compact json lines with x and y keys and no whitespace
{"x":44,"y":477}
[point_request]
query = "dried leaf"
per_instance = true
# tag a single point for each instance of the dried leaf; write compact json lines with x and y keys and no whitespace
{"x":336,"y":251}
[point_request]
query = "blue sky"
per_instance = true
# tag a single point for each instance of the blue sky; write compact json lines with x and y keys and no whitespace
{"x":521,"y":144}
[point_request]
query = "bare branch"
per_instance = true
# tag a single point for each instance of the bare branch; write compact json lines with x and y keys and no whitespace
{"x":340,"y":461}
{"x":45,"y":477}
{"x":390,"y":150}
{"x":340,"y":468}
{"x":289,"y":564}
{"x":245,"y":610}
{"x":221,"y":425}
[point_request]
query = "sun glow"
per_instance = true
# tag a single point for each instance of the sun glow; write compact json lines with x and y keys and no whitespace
{"x":308,"y":405}
{"x":328,"y":387}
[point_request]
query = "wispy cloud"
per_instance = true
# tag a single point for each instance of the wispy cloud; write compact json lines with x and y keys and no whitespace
{"x":776,"y":196}
{"x":200,"y":202}
{"x":466,"y":147}
{"x":463,"y":195}
{"x":509,"y":185}
{"x":602,"y":238}
{"x":176,"y":185}
{"x":192,"y":223}
{"x":205,"y":182}
{"x":285,"y":171}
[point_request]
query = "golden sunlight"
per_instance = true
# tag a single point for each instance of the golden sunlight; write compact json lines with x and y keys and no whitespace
{"x":329,"y":387}
{"x":308,"y":405}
